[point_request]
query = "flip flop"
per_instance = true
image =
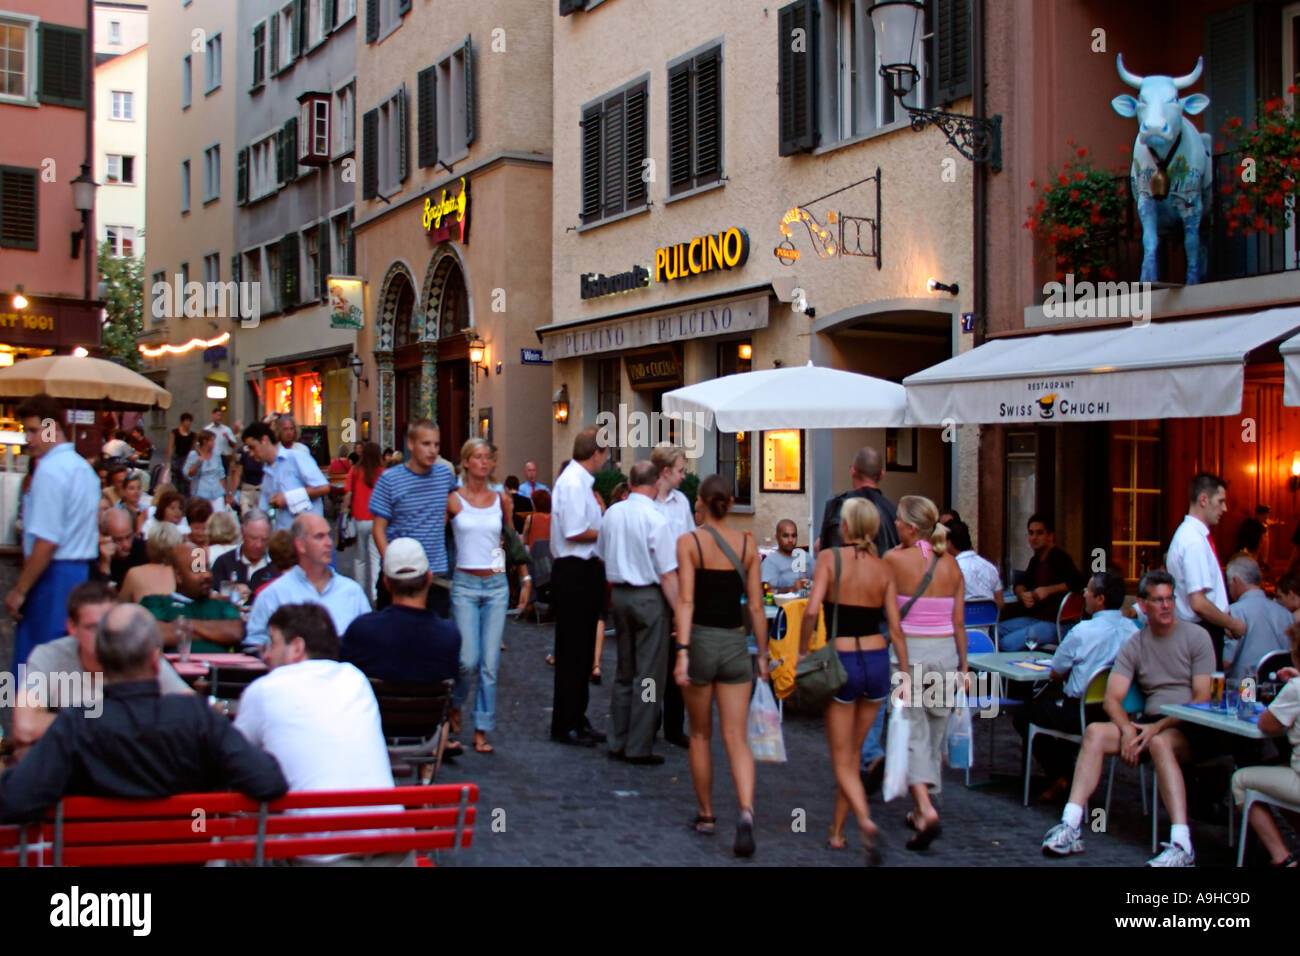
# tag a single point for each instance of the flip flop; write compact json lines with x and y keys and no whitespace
{"x":483,"y":748}
{"x":705,"y":826}
{"x":833,"y":846}
{"x":924,"y":838}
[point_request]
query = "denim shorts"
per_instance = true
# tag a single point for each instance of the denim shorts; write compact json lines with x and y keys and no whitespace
{"x":868,"y":675}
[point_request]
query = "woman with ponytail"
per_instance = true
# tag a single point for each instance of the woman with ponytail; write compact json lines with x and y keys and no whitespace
{"x":861,"y":590}
{"x":931,"y":609}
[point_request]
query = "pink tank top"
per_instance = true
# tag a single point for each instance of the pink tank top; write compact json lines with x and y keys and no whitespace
{"x":929,"y":616}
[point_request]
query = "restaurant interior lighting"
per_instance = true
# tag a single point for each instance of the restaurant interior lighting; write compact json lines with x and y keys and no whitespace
{"x":6,"y":359}
{"x":1295,"y":472}
{"x":80,"y":352}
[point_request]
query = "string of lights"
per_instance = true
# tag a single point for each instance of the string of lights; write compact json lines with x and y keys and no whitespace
{"x":189,"y":346}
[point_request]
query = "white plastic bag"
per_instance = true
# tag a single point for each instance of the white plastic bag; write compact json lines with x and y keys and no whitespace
{"x":896,"y":740}
{"x":958,"y":733}
{"x":765,"y":739}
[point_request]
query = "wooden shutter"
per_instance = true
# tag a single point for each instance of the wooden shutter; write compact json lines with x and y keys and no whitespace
{"x":470,"y":100}
{"x":298,"y":42}
{"x":19,"y":221}
{"x":612,"y":154}
{"x":323,"y":258}
{"x":281,"y":176}
{"x":291,"y":150}
{"x":797,"y":77}
{"x":951,"y":71}
{"x":275,"y":42}
{"x":331,"y":14}
{"x":571,"y":6}
{"x":372,"y":20}
{"x":708,"y":116}
{"x":403,"y":7}
{"x":1230,"y":71}
{"x":679,"y":127}
{"x":370,"y":154}
{"x":289,"y":291}
{"x":403,"y":139}
{"x":241,"y":176}
{"x":591,"y":124}
{"x":351,"y":265}
{"x":637,"y":138}
{"x":426,"y":91}
{"x":61,"y":60}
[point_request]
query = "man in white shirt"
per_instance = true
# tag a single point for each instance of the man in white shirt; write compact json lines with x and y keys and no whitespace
{"x":318,"y":718}
{"x":983,"y":582}
{"x":578,"y":589}
{"x":640,"y":555}
{"x":226,"y":441}
{"x":1200,"y":593}
{"x":292,"y":482}
{"x":670,"y":465}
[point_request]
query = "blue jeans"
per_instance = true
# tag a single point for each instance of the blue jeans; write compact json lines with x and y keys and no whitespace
{"x":1013,"y":634}
{"x":478,"y":606}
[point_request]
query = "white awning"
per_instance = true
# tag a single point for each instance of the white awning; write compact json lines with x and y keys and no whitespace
{"x":1290,"y":350}
{"x":1187,"y":369}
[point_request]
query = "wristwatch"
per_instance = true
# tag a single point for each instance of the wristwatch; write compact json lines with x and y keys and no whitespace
{"x":681,"y":647}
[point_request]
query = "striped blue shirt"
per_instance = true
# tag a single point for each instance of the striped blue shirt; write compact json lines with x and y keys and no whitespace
{"x":62,"y":505}
{"x":415,"y":506}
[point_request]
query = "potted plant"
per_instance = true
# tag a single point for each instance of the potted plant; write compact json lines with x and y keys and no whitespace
{"x":1075,"y":217}
{"x":1261,"y":195}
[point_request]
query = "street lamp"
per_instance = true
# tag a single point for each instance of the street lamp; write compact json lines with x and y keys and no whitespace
{"x":83,"y":199}
{"x":357,"y":365}
{"x":477,"y":351}
{"x":560,"y":404}
{"x":899,"y":25}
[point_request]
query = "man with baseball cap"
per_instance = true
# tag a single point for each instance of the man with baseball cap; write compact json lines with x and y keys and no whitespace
{"x":405,"y":641}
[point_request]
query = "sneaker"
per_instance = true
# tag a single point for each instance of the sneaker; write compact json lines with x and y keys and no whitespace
{"x":1062,"y":840}
{"x":1173,"y":855}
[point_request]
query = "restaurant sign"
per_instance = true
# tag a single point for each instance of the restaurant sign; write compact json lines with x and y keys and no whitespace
{"x":658,"y":328}
{"x":655,"y":368}
{"x":346,"y":297}
{"x":446,"y":217}
{"x":728,"y":249}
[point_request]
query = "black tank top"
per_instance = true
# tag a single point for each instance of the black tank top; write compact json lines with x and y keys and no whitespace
{"x":717,"y":593}
{"x":856,"y":620}
{"x":183,"y":443}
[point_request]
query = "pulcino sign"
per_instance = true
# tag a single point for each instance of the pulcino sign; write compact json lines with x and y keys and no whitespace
{"x":728,"y":249}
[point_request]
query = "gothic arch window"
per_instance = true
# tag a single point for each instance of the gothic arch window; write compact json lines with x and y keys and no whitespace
{"x":396,"y":308}
{"x":405,"y":319}
{"x":453,"y":307}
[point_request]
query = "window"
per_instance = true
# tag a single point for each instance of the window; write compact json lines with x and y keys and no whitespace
{"x":185,"y":185}
{"x":614,"y":136}
{"x":695,"y":121}
{"x":783,"y":461}
{"x":16,"y":47}
{"x":446,"y":106}
{"x":311,"y":276}
{"x":383,"y":17}
{"x":115,"y":32}
{"x":262,"y":159}
{"x":1136,"y":512}
{"x":735,"y":450}
{"x":159,"y":278}
{"x":187,"y":81}
{"x":212,"y":268}
{"x":317,"y":28}
{"x":121,"y":169}
{"x":212,"y":64}
{"x":287,"y":35}
{"x":346,"y":10}
{"x":19,"y":222}
{"x":314,"y":135}
{"x":344,"y":253}
{"x":385,"y":147}
{"x":123,"y":105}
{"x":251,"y":272}
{"x":211,"y":173}
{"x":273,"y":276}
{"x":345,"y":120}
{"x":259,"y":54}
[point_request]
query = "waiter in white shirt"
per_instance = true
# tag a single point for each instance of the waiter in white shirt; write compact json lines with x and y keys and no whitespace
{"x":670,"y":464}
{"x":640,"y":555}
{"x":577,"y":589}
{"x":1200,"y":595}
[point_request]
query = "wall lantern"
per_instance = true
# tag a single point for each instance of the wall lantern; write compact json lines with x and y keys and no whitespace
{"x":934,"y":285}
{"x":477,"y":355}
{"x":20,"y":300}
{"x":314,"y":129}
{"x":83,"y":199}
{"x":357,"y":366}
{"x":899,"y":26}
{"x":560,"y":403}
{"x":1295,"y":472}
{"x":746,"y":351}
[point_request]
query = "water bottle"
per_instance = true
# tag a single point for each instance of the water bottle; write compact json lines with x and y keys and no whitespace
{"x":184,"y":636}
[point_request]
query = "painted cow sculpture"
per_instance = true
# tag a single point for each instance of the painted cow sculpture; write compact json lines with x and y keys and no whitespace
{"x":1171,"y":172}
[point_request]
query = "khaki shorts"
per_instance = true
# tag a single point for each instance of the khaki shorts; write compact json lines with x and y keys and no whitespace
{"x":719,"y":655}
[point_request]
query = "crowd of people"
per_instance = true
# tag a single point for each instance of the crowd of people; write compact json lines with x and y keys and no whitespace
{"x":233,"y":547}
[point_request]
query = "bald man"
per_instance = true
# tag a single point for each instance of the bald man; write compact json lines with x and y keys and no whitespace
{"x":865,"y":473}
{"x":119,"y":548}
{"x":778,"y":568}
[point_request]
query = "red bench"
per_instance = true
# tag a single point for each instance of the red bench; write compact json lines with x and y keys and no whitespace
{"x":200,"y":827}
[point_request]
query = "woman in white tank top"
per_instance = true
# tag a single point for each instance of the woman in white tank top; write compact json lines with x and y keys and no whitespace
{"x":479,"y":592}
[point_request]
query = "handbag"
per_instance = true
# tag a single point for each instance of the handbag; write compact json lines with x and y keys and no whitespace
{"x":514,"y":549}
{"x":347,"y":530}
{"x":820,"y":675}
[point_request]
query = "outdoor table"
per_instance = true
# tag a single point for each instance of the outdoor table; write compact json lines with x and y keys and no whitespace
{"x":1012,"y":665}
{"x":1208,"y":715}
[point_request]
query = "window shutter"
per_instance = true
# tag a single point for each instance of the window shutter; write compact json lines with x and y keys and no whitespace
{"x":797,"y":83}
{"x":301,"y":15}
{"x":291,"y":150}
{"x":296,"y":46}
{"x":612,"y":150}
{"x":679,"y":127}
{"x":469,"y":93}
{"x":591,"y":124}
{"x":370,"y":154}
{"x":403,"y":7}
{"x":275,"y":43}
{"x":331,"y":14}
{"x":241,"y":176}
{"x":403,"y":138}
{"x":289,"y":292}
{"x":18,"y":208}
{"x":426,"y":91}
{"x":636,"y":146}
{"x":280,"y":175}
{"x":951,"y":22}
{"x":351,"y":264}
{"x":372,"y":20}
{"x":1230,"y":71}
{"x":323,"y":258}
{"x":708,"y":116}
{"x":62,"y":63}
{"x":571,"y":6}
{"x":236,"y":272}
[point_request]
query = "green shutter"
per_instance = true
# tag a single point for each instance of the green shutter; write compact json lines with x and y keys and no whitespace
{"x":591,"y":125}
{"x":951,"y":22}
{"x":403,"y":145}
{"x":19,"y":212}
{"x":331,"y":14}
{"x":291,"y":150}
{"x":289,"y":291}
{"x":241,"y":176}
{"x":403,"y":7}
{"x":797,"y":76}
{"x":708,"y":116}
{"x":323,"y":257}
{"x":372,"y":20}
{"x":370,"y":154}
{"x":61,"y":65}
{"x":470,"y":124}
{"x":275,"y":43}
{"x":296,"y":45}
{"x":426,"y":122}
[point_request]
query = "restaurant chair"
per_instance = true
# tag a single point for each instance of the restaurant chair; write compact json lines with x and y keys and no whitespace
{"x":228,"y":683}
{"x":1134,"y":703}
{"x":539,"y":560}
{"x":1069,"y":612}
{"x":984,"y":615}
{"x":1270,"y":664}
{"x":979,"y":642}
{"x":1252,"y":797}
{"x":1094,"y":693}
{"x":416,"y":719}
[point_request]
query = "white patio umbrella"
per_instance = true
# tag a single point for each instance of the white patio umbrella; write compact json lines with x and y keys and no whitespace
{"x":808,"y":396}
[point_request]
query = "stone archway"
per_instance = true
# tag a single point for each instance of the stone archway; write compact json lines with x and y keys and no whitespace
{"x":397,"y":288}
{"x":447,"y":317}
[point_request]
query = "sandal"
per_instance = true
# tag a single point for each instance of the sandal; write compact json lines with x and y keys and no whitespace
{"x":923,"y":838}
{"x":483,"y":747}
{"x":744,"y":845}
{"x":705,"y":826}
{"x":832,"y":845}
{"x":1290,"y":862}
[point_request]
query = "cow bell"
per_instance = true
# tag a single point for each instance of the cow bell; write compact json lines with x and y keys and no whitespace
{"x":1159,"y":184}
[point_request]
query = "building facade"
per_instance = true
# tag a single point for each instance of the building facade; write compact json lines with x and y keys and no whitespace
{"x":685,"y":165}
{"x":295,"y":135}
{"x":121,"y":71}
{"x":453,"y":222}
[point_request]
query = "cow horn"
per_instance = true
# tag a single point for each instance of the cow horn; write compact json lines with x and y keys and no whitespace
{"x":1183,"y":82}
{"x":1132,"y":79}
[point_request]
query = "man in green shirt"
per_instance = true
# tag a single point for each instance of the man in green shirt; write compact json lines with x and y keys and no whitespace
{"x":214,"y":623}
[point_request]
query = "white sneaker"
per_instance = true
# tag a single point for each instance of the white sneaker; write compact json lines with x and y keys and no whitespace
{"x":1173,"y":855}
{"x":1062,"y":840}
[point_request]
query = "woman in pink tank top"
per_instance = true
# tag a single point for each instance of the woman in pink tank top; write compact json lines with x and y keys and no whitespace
{"x":936,"y":649}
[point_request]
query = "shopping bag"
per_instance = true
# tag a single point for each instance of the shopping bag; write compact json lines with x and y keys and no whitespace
{"x":765,"y":739}
{"x":958,"y":733}
{"x":896,"y":741}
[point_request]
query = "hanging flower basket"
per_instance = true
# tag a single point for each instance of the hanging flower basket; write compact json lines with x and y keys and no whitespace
{"x":1077,"y":216}
{"x":1261,"y":195}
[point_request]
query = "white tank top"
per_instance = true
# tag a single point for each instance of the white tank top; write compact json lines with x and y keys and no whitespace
{"x":478,"y":534}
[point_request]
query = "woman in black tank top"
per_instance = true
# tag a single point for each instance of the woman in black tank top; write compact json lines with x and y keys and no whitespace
{"x":713,"y":653}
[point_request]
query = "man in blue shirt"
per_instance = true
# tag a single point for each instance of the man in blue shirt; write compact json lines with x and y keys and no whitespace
{"x":405,"y":641}
{"x":60,"y":528}
{"x":531,"y":484}
{"x":1266,"y":620}
{"x":292,"y":482}
{"x":410,"y":501}
{"x":311,"y":581}
{"x":1089,"y":646}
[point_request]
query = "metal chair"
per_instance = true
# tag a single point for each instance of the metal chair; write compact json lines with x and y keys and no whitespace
{"x":1270,"y":664}
{"x":979,"y":642}
{"x":1253,"y":797}
{"x":1094,"y":693}
{"x":539,"y":559}
{"x":984,"y":615}
{"x":415,"y":718}
{"x":1069,"y":611}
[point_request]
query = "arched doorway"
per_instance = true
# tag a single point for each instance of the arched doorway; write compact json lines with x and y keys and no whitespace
{"x":447,"y":320}
{"x":397,"y":352}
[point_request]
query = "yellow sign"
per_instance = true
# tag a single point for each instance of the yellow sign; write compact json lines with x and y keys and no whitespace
{"x":435,"y":211}
{"x":26,"y":320}
{"x":726,"y":250}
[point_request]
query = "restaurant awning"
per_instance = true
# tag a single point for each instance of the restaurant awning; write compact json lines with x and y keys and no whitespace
{"x":1290,"y":350}
{"x":1185,"y":369}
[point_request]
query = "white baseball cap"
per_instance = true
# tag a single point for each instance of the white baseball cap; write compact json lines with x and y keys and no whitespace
{"x":404,"y":560}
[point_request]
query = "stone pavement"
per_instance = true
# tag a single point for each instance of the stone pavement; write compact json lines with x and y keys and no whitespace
{"x":566,"y":806}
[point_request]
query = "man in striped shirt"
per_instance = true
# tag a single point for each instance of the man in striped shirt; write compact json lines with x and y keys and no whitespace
{"x":410,"y":501}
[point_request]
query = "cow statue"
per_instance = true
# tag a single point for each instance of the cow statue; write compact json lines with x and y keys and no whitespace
{"x":1171,"y":172}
